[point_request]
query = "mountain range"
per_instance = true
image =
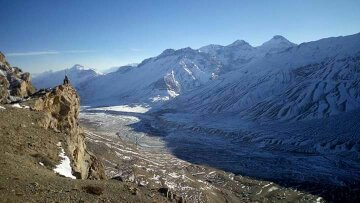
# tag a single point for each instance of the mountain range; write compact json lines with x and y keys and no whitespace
{"x":278,"y":80}
{"x":78,"y":73}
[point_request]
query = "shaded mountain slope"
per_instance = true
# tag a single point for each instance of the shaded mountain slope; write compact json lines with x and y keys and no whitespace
{"x":312,"y":80}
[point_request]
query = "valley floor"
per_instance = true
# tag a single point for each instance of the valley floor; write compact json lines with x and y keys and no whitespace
{"x":318,"y":156}
{"x":136,"y":150}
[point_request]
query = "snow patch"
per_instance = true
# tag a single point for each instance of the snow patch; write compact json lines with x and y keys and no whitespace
{"x":273,"y":188}
{"x":174,"y":175}
{"x":64,"y":167}
{"x":158,"y":98}
{"x":125,"y":108}
{"x":156,"y":177}
{"x":17,"y":105}
{"x":170,"y":185}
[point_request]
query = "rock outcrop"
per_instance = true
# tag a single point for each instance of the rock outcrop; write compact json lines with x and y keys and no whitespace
{"x":4,"y":86}
{"x":14,"y":84}
{"x":61,"y":107}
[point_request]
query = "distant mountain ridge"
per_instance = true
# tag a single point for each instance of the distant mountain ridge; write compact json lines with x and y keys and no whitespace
{"x":174,"y":72}
{"x":276,"y":80}
{"x":312,"y":80}
{"x":77,"y":75}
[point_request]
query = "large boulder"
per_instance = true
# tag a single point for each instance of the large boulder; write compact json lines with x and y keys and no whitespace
{"x":61,"y":107}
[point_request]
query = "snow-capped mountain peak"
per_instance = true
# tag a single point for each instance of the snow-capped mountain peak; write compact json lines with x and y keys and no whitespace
{"x":167,"y":52}
{"x":279,"y":37}
{"x":77,"y":74}
{"x":78,"y":67}
{"x":210,"y":48}
{"x":275,"y":44}
{"x":312,"y":80}
{"x":239,"y":43}
{"x":254,"y":82}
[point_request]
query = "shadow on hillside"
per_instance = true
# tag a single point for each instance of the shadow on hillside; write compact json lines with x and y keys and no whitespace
{"x":304,"y":171}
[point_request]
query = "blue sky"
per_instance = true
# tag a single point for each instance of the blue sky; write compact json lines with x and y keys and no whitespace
{"x":47,"y":34}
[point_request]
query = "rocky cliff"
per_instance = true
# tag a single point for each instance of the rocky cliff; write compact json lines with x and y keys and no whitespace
{"x":29,"y":155}
{"x":34,"y":167}
{"x":14,"y":83}
{"x":61,"y":107}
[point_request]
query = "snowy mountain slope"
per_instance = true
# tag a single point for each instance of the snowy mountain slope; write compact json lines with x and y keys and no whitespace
{"x":318,"y":90}
{"x":324,"y":152}
{"x":240,"y":52}
{"x":154,"y":80}
{"x":277,"y":44}
{"x":175,"y":72}
{"x":77,"y":74}
{"x":117,"y":68}
{"x":277,"y":80}
{"x":312,"y":80}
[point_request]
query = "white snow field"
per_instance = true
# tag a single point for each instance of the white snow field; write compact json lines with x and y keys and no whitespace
{"x":64,"y":168}
{"x":125,"y":108}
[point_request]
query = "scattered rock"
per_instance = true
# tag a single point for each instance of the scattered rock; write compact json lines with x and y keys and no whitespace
{"x":133,"y":190}
{"x":143,"y":183}
{"x":126,"y":175}
{"x":170,"y":195}
{"x":35,"y":184}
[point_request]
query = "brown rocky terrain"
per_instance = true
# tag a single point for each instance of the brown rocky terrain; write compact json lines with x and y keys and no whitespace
{"x":14,"y":83}
{"x":35,"y":131}
{"x":28,"y":155}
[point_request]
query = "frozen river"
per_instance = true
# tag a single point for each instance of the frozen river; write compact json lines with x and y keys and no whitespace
{"x":321,"y":157}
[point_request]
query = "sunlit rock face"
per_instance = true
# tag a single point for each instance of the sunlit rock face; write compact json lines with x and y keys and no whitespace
{"x":62,"y":107}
